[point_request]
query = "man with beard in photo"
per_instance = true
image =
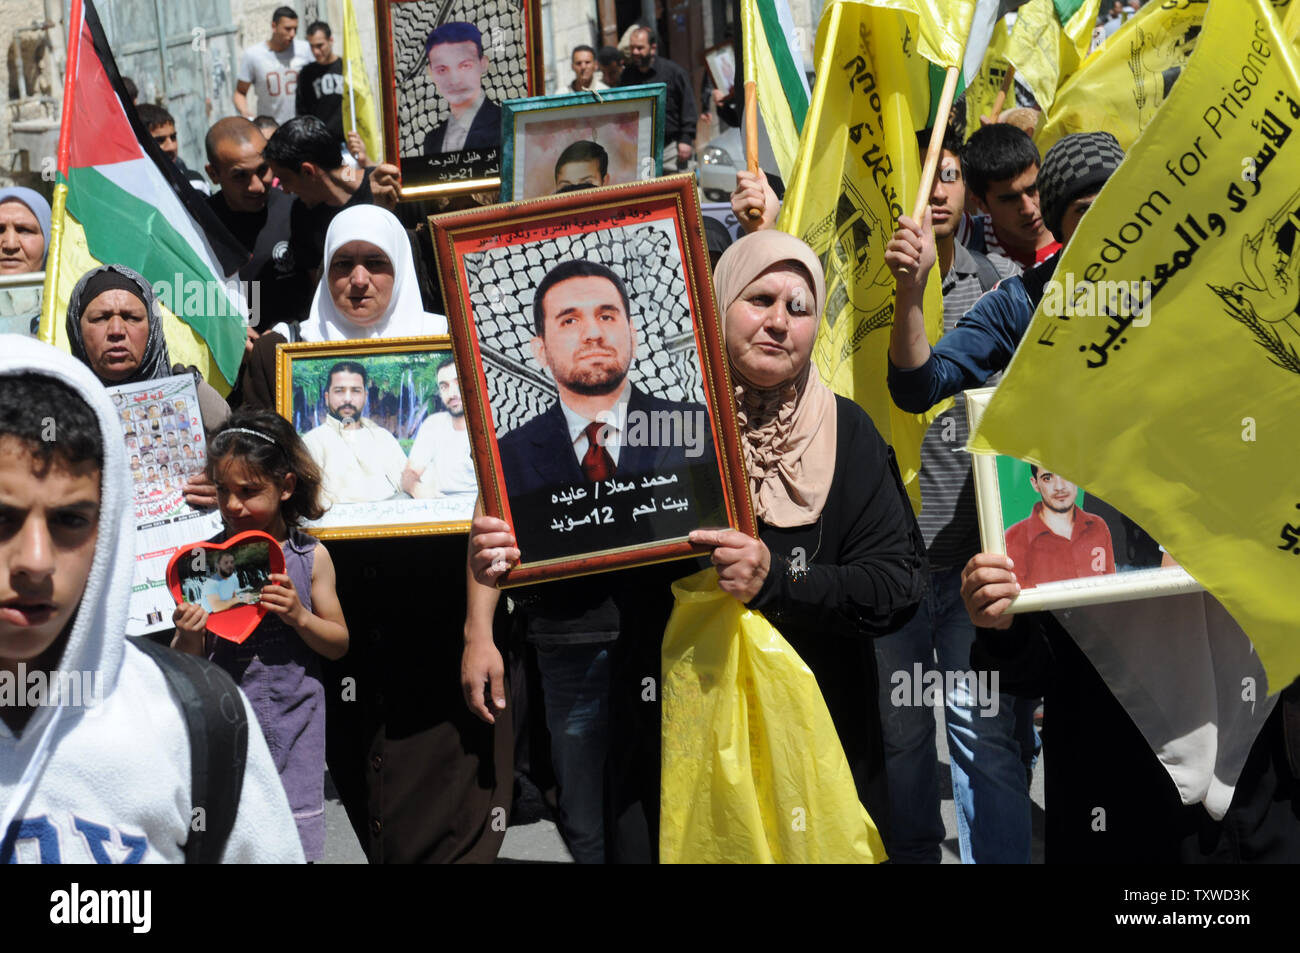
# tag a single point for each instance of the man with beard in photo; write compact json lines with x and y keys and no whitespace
{"x":360,"y":461}
{"x":646,"y":464}
{"x":440,"y":463}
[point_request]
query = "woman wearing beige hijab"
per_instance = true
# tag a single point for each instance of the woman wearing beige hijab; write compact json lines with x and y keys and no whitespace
{"x":839,"y":558}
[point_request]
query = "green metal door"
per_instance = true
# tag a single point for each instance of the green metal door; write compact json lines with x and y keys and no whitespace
{"x":182,"y":54}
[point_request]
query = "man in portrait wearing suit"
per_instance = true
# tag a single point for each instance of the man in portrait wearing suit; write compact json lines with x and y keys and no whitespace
{"x":607,"y":464}
{"x":456,"y":62}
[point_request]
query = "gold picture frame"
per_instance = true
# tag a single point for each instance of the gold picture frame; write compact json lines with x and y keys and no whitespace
{"x":400,"y":411}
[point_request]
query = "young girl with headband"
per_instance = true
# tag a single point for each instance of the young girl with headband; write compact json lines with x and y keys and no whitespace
{"x":266,"y":480}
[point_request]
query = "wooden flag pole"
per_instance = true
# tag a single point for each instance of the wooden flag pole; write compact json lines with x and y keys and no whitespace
{"x":751,"y":138}
{"x":1002,"y":93}
{"x":936,"y":141}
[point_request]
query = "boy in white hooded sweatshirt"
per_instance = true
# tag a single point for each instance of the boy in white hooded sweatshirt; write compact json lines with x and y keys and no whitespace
{"x":102,"y":775}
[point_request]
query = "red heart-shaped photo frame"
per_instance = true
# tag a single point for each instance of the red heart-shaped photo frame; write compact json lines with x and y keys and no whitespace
{"x":194,"y":561}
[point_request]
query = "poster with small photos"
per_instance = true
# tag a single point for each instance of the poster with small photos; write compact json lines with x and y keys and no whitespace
{"x":165,"y":447}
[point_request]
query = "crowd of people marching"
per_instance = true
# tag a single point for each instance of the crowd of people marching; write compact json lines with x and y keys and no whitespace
{"x":440,"y":723}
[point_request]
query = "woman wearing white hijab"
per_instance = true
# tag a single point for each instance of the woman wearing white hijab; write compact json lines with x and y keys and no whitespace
{"x":369,"y":288}
{"x":406,"y":730}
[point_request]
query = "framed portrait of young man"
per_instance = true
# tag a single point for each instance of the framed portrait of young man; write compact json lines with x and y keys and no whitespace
{"x":446,"y":66}
{"x":1069,"y":547}
{"x":599,"y":401}
{"x":571,"y":141}
{"x":384,"y":420}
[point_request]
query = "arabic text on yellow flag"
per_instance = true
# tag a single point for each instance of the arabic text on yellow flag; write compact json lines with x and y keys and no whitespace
{"x":1119,"y":88}
{"x":1184,"y":418}
{"x":358,"y":104}
{"x":858,"y":170}
{"x":1049,"y":41}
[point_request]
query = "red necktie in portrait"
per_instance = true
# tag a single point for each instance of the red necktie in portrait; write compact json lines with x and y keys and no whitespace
{"x":597,"y":464}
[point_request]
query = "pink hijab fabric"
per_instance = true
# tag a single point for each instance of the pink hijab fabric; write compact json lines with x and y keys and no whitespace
{"x":788,"y":431}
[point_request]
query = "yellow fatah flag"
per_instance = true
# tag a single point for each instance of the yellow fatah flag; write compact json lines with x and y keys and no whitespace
{"x":358,"y":104}
{"x":749,"y":748}
{"x":1291,"y":25}
{"x":1162,"y":370}
{"x":943,"y":26}
{"x":1120,"y":87}
{"x":1049,"y":41}
{"x":858,"y":170}
{"x":982,"y":90}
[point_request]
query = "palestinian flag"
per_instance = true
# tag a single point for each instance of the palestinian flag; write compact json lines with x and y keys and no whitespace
{"x":119,"y":200}
{"x":773,"y":61}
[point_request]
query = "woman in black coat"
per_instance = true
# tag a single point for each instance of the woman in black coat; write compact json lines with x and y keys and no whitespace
{"x":839,"y":558}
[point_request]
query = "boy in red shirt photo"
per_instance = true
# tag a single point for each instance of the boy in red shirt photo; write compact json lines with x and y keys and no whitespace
{"x":1058,"y":540}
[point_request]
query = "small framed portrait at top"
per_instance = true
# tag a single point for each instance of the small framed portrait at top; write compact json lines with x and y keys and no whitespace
{"x":1070,"y":547}
{"x":446,"y":66}
{"x":572,"y":141}
{"x":600,"y":403}
{"x":384,"y":420}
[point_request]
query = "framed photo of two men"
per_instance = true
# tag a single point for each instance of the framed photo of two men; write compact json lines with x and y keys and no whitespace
{"x":599,"y":399}
{"x":1069,"y":547}
{"x":445,"y":67}
{"x":384,"y":420}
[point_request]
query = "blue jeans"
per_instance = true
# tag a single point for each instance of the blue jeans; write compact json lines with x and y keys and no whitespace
{"x":990,"y":739}
{"x":575,"y":693}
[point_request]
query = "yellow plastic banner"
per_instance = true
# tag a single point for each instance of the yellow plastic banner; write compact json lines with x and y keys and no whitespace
{"x":944,"y":26}
{"x":753,"y":771}
{"x":1162,"y":370}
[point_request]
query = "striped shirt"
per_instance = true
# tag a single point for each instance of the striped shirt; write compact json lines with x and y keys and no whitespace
{"x":948,"y":519}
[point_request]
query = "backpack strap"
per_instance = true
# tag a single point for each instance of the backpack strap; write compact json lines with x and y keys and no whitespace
{"x":217,"y":724}
{"x":1035,"y":279}
{"x":984,"y":270}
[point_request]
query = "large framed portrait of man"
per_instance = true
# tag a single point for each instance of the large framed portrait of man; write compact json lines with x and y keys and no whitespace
{"x":384,"y":420}
{"x":571,"y":141}
{"x":599,"y":401}
{"x":1069,"y":547}
{"x":446,"y":66}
